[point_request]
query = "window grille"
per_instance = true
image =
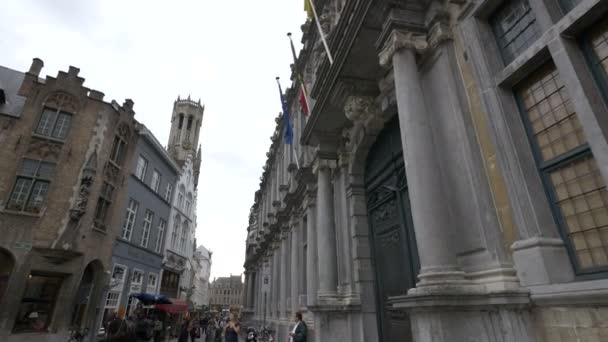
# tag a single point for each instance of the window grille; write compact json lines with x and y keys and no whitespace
{"x":515,"y":28}
{"x":31,"y":186}
{"x":576,"y":188}
{"x":127,"y":227}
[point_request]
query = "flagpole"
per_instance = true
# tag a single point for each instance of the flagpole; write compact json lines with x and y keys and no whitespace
{"x":321,"y":33}
{"x":300,"y":78}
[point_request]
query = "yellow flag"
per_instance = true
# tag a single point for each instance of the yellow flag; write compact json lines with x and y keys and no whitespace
{"x":308,"y":9}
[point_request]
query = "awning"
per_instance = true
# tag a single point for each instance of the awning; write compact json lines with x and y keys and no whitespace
{"x":178,"y":305}
{"x":149,"y":299}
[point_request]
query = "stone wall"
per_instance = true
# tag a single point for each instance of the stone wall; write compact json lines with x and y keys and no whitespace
{"x":571,"y":324}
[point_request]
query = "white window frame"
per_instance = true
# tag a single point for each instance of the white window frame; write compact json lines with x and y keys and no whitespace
{"x":141,"y":280}
{"x":129,"y":223}
{"x":168,"y":192}
{"x":147,"y":227}
{"x":162,"y":226}
{"x":141,"y":168}
{"x":152,"y":289}
{"x":156,"y":179}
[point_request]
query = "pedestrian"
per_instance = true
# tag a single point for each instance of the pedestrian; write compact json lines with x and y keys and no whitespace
{"x":193,"y":329}
{"x":158,"y":329}
{"x":232,"y":329}
{"x":183,"y":332}
{"x":210,"y":331}
{"x":116,"y":330}
{"x":298,"y":334}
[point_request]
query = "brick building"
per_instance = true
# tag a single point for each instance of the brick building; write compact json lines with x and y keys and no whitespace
{"x":226,"y":292}
{"x":63,"y":162}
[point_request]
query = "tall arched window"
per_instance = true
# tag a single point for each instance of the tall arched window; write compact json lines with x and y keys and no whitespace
{"x":181,"y":121}
{"x":180,"y":197}
{"x":188,"y":204}
{"x":176,"y":225}
{"x":190,"y":118}
{"x":184,"y":237}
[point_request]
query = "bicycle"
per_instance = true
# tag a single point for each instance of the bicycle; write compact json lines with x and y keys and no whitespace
{"x":77,"y":335}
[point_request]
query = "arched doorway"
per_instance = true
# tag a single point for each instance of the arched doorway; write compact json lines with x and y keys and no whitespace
{"x":392,"y":237}
{"x":85,"y":296}
{"x":6,"y":268}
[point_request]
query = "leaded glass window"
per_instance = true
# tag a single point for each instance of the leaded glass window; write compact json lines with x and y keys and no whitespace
{"x":515,"y":28}
{"x":31,"y":185}
{"x":577,"y":189}
{"x":54,"y":123}
{"x":103,"y":203}
{"x":596,"y":46}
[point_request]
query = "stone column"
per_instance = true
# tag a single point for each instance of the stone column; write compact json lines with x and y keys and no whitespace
{"x":284,"y":275}
{"x":274,"y":292}
{"x":296,"y":267}
{"x":244,"y":292}
{"x":430,"y":211}
{"x":312,"y":267}
{"x":326,"y":233}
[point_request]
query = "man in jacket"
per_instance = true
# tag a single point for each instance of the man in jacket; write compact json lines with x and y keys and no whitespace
{"x":298,"y":334}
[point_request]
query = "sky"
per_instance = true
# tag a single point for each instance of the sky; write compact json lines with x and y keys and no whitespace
{"x":225,"y":52}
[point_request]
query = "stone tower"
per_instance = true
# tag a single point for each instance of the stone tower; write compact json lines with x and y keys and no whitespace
{"x":186,"y":122}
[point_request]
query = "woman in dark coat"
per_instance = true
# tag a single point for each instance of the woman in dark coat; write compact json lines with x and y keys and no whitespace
{"x":183,"y":332}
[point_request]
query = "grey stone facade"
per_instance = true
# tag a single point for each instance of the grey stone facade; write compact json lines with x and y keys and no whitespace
{"x":139,"y":248}
{"x":428,"y":201}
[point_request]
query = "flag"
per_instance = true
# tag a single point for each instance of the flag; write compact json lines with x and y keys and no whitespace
{"x":303,"y":101}
{"x":308,"y":9}
{"x":288,"y":129}
{"x":303,"y":96}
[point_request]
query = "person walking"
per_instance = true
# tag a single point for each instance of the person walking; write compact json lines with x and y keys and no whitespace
{"x":116,"y":329}
{"x":184,"y":332}
{"x":232,"y":329}
{"x":298,"y":334}
{"x":158,"y":329}
{"x":193,"y":329}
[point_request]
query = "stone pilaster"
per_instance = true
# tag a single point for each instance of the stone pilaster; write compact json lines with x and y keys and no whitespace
{"x":430,"y":211}
{"x":296,"y":266}
{"x":285,"y":242}
{"x":312,"y":267}
{"x":326,"y":232}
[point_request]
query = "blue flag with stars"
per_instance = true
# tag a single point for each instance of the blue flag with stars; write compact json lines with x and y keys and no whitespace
{"x":288,"y":129}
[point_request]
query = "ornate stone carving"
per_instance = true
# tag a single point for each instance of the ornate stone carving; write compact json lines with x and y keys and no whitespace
{"x":123,"y":130}
{"x":44,"y":148}
{"x":357,"y":108}
{"x":62,"y":101}
{"x":439,"y":33}
{"x":88,"y":177}
{"x":398,"y":40}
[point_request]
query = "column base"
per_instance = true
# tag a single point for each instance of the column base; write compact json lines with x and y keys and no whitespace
{"x":472,"y":317}
{"x":540,"y":261}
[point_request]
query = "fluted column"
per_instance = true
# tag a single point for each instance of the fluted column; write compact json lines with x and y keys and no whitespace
{"x":312,"y":267}
{"x":326,"y":232}
{"x":430,"y":211}
{"x":296,"y":271}
{"x":284,"y":274}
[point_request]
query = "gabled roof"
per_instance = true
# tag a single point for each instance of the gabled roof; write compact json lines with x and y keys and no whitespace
{"x":10,"y":82}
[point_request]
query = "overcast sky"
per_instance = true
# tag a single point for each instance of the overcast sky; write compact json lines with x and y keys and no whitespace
{"x":225,"y":52}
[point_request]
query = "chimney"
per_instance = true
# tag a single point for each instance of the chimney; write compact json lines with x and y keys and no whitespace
{"x":31,"y":77}
{"x":36,"y":67}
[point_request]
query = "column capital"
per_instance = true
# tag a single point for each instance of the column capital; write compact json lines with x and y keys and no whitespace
{"x":399,"y":39}
{"x":323,"y":164}
{"x":439,"y":33}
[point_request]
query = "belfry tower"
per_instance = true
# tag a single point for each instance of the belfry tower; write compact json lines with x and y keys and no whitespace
{"x":186,"y":122}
